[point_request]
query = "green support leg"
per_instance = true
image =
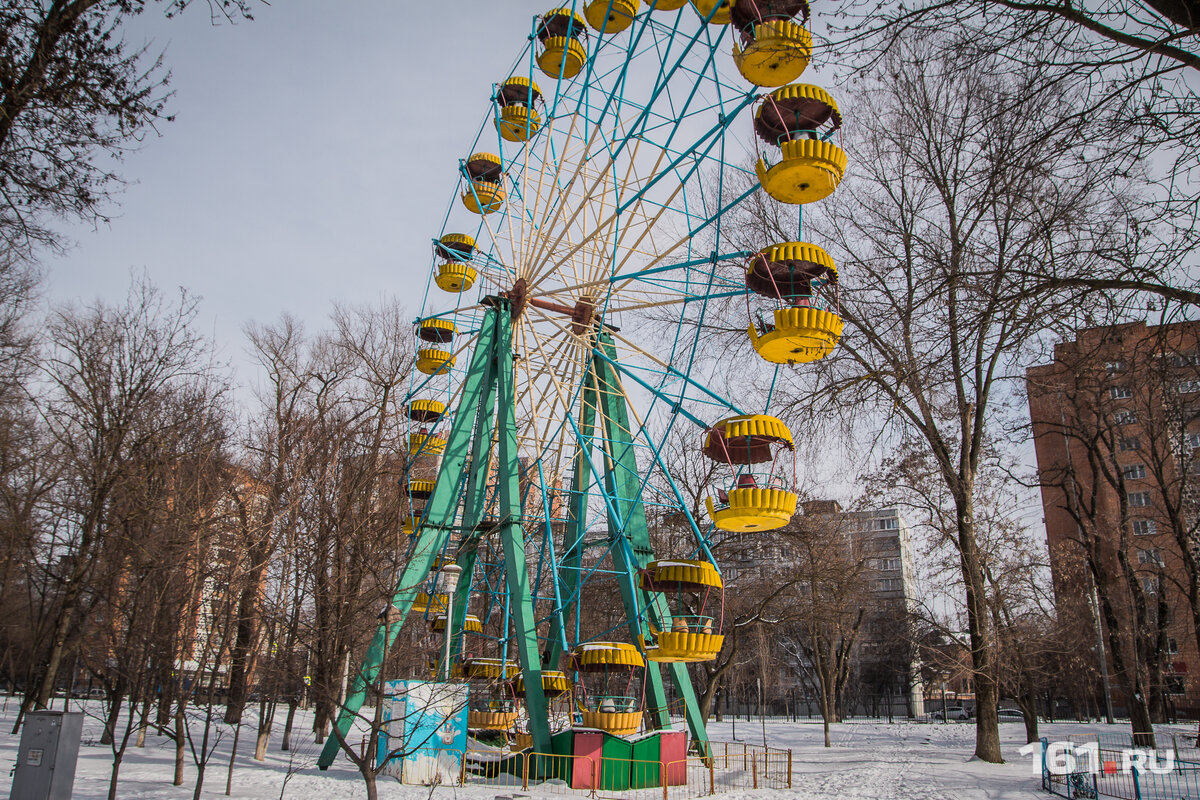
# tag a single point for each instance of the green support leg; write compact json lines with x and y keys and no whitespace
{"x":436,"y":528}
{"x":473,"y":506}
{"x":625,"y":486}
{"x":513,"y":539}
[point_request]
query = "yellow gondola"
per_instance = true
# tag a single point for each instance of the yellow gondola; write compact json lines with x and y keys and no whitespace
{"x":485,"y":193}
{"x":453,"y":277}
{"x":431,"y":360}
{"x":455,"y":274}
{"x":423,"y":604}
{"x":691,"y":637}
{"x":429,"y":444}
{"x":611,"y":16}
{"x":705,"y":7}
{"x":440,"y":331}
{"x":753,"y":503}
{"x":804,"y":280}
{"x":775,"y":49}
{"x":797,"y":118}
{"x":562,"y":53}
{"x":471,"y":623}
{"x":600,"y":662}
{"x":426,"y":410}
{"x":518,"y":120}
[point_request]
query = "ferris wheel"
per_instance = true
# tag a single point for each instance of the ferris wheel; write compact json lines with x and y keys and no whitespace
{"x":581,"y":253}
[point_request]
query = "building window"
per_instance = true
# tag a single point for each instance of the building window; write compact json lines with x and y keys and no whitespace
{"x":1193,"y":440}
{"x":888,"y":524}
{"x":1151,"y":556}
{"x":1139,"y":499}
{"x":1114,"y":366}
{"x":1132,"y":472}
{"x":1175,"y":684}
{"x":1172,"y":646}
{"x":1130,"y":443}
{"x":1187,"y":387}
{"x":1144,"y":527}
{"x":1183,"y":359}
{"x":1125,"y":417}
{"x":888,"y":585}
{"x":887,"y":564}
{"x":1150,"y":585}
{"x":1120,"y":392}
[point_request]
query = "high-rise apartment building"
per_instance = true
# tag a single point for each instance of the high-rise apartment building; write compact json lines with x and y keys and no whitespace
{"x":1116,"y":426}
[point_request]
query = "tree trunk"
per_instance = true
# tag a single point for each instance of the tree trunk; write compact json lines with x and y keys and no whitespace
{"x":987,"y":694}
{"x":1027,"y":702}
{"x":114,"y":713}
{"x":112,"y":779}
{"x":180,"y":735}
{"x":287,"y":726}
{"x":237,"y":735}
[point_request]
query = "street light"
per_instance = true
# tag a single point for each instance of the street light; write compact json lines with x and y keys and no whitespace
{"x":450,"y":575}
{"x":945,"y":715}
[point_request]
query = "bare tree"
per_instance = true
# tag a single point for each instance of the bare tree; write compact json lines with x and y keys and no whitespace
{"x":963,"y":184}
{"x":74,"y":98}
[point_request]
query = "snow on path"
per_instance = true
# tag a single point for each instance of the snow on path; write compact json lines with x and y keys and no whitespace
{"x":868,"y":761}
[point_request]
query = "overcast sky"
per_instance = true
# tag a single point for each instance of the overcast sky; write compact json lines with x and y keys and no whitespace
{"x":311,"y":158}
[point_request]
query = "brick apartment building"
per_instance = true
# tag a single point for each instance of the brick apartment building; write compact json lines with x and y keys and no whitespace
{"x":1116,"y":426}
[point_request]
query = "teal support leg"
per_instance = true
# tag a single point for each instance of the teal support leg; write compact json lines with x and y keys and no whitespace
{"x":435,"y":530}
{"x":513,"y":539}
{"x":572,"y":557}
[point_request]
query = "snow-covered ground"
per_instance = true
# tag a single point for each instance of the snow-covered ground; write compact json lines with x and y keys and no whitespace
{"x":868,"y":760}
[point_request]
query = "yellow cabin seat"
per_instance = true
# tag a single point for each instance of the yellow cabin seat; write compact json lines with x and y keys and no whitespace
{"x":429,"y":444}
{"x":779,"y":53}
{"x":554,"y":684}
{"x":809,"y":170}
{"x":437,"y":330}
{"x":471,"y":623}
{"x":518,"y":123}
{"x":455,"y":246}
{"x":421,"y":489}
{"x":491,"y":669}
{"x":611,"y":16}
{"x":596,"y":656}
{"x":521,"y":741}
{"x":670,"y":5}
{"x":705,"y":7}
{"x":453,"y":277}
{"x":562,"y":55}
{"x":426,"y":410}
{"x":431,"y":360}
{"x":483,"y":197}
{"x":685,"y":645}
{"x":491,"y":720}
{"x":618,"y":723}
{"x":411,"y":524}
{"x":800,"y":335}
{"x":754,"y":509}
{"x":422,"y":603}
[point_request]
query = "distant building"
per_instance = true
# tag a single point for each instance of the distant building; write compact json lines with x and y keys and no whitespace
{"x":1116,"y":424}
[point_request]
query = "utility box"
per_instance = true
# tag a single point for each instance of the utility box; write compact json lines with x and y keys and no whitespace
{"x":47,"y":755}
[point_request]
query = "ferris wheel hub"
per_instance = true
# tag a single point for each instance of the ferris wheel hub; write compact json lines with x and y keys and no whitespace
{"x":583,"y":314}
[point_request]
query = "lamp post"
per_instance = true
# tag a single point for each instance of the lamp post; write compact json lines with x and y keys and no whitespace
{"x":450,"y":575}
{"x":945,"y":715}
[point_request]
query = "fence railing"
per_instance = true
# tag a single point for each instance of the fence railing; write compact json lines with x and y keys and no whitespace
{"x":732,"y":767}
{"x":1122,"y":766}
